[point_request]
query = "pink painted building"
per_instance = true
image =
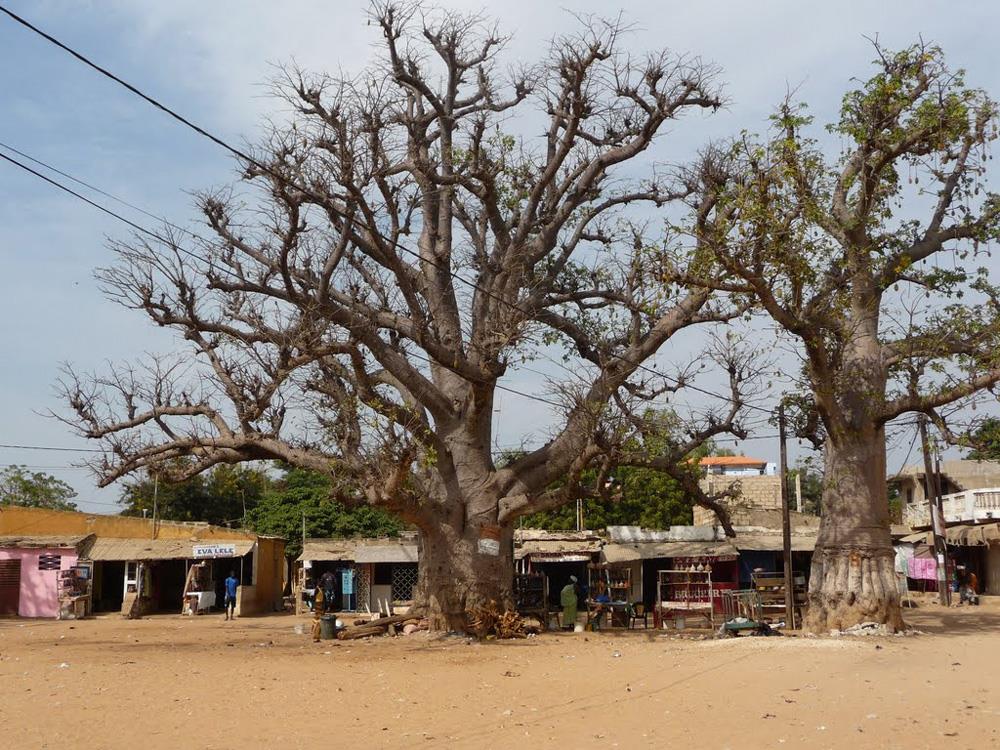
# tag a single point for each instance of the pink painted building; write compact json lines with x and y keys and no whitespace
{"x":30,"y":569}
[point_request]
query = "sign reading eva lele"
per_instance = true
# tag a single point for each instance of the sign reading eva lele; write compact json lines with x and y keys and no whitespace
{"x":213,"y":550}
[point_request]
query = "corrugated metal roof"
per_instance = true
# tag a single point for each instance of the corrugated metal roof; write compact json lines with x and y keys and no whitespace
{"x":385,"y":552}
{"x":107,"y":548}
{"x":616,"y":553}
{"x":757,"y":542}
{"x":41,"y":542}
{"x":328,"y":549}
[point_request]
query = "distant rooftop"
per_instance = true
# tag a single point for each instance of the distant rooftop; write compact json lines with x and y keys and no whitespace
{"x":731,"y":461}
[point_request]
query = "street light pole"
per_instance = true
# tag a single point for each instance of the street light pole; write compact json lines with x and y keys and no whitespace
{"x":786,"y":523}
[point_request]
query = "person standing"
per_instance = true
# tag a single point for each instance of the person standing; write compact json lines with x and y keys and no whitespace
{"x":319,"y":608}
{"x":568,"y":602}
{"x":231,"y":585}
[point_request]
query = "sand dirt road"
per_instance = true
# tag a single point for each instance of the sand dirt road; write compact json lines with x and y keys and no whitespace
{"x":171,"y":682}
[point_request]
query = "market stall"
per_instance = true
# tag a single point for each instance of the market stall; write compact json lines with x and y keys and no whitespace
{"x":608,"y":595}
{"x":683,"y":595}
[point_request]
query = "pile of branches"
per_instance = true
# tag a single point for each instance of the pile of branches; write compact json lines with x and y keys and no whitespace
{"x":487,"y":621}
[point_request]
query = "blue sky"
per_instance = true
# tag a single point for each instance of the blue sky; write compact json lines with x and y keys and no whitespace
{"x":209,"y":60}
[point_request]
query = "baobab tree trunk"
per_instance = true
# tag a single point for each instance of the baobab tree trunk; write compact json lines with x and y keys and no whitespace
{"x":853,"y":579}
{"x":463,"y":565}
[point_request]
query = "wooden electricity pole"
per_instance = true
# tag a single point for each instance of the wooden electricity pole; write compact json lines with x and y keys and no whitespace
{"x":937,"y":519}
{"x":786,"y":523}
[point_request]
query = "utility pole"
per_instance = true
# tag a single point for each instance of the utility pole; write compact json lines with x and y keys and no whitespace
{"x":786,"y":523}
{"x":937,"y":520}
{"x":156,"y":491}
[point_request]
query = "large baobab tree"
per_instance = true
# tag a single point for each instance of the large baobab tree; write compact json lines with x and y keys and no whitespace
{"x":355,"y":314}
{"x":864,"y":260}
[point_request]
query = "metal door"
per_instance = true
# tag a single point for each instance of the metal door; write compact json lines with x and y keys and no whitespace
{"x":10,"y":586}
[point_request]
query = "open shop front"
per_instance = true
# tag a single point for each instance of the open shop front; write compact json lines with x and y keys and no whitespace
{"x":657,"y":564}
{"x":556,"y":556}
{"x":363,"y":574}
{"x":972,"y":548}
{"x":154,"y":576}
{"x":764,"y":553}
{"x":334,"y":559}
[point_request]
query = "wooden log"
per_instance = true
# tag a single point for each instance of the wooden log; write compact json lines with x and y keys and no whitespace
{"x":391,"y":620}
{"x":362,"y":631}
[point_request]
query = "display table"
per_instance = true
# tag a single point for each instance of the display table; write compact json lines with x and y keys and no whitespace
{"x":199,"y":601}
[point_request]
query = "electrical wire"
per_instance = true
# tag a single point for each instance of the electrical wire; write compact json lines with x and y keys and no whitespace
{"x":239,"y":153}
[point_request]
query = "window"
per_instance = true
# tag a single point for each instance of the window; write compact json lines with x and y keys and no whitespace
{"x":404,"y":578}
{"x":49,"y":562}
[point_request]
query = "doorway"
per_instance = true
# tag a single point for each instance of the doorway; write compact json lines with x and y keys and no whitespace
{"x":109,"y":586}
{"x":10,"y":586}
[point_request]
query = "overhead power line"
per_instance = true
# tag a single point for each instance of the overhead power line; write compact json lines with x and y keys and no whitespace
{"x":305,"y":190}
{"x":49,"y":448}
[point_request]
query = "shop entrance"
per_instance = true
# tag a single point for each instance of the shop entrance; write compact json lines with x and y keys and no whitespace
{"x":558,"y":574}
{"x":167,"y":577}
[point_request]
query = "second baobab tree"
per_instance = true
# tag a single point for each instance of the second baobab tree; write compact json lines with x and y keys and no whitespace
{"x":875,"y":262}
{"x":393,"y":250}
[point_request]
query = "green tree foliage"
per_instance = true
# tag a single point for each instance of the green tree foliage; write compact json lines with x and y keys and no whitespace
{"x":301,"y":492}
{"x":639,"y":497}
{"x":636,"y":496}
{"x":18,"y":486}
{"x":986,"y":440}
{"x":218,"y":496}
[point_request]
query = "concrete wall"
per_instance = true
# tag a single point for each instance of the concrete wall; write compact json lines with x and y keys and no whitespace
{"x":993,"y":569}
{"x":759,"y":492}
{"x":266,"y":592}
{"x":39,"y":595}
{"x":41,"y":522}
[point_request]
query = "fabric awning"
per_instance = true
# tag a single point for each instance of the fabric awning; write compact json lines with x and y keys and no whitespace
{"x":627,"y":552}
{"x":963,"y":535}
{"x":773,"y":542}
{"x":394,"y":552}
{"x":974,"y":535}
{"x":110,"y":549}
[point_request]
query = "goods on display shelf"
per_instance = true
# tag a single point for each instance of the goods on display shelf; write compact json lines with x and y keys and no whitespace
{"x":613,"y":582}
{"x":683,"y":593}
{"x":74,"y":592}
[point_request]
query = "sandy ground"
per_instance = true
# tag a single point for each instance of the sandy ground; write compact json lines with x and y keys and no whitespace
{"x":169,"y":682}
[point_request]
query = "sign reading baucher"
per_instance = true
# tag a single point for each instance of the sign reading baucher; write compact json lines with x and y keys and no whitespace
{"x":214,"y":550}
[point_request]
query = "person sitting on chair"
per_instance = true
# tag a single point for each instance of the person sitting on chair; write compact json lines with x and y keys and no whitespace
{"x":601,"y":598}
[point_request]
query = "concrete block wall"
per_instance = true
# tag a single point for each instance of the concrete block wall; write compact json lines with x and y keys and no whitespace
{"x":756,"y":492}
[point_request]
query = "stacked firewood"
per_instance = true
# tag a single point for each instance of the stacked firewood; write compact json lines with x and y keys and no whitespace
{"x":393,"y":625}
{"x":487,"y":621}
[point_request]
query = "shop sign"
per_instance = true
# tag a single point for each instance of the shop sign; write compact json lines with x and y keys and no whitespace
{"x":489,"y":541}
{"x":202,"y":551}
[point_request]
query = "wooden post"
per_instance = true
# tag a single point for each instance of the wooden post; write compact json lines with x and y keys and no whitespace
{"x":930,"y":488}
{"x":786,"y":523}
